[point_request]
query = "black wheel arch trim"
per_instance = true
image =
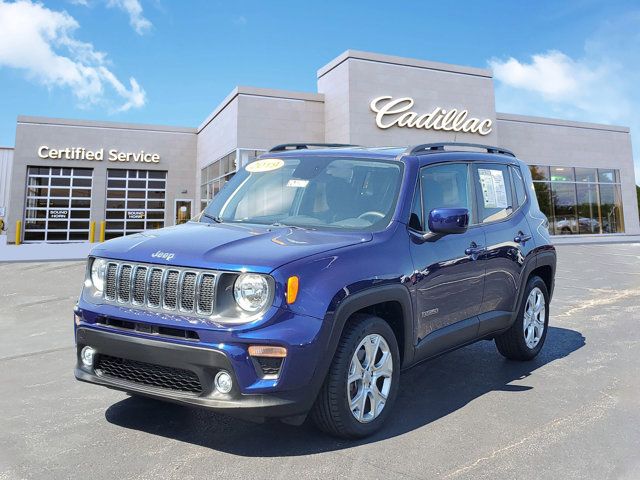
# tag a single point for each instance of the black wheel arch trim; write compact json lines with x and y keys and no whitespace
{"x":540,"y":259}
{"x":355,"y":302}
{"x":372,"y":296}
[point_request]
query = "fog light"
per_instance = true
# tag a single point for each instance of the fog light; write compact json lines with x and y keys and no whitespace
{"x":223,"y":382}
{"x":86,"y":355}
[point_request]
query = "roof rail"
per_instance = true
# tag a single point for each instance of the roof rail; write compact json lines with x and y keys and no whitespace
{"x":304,"y":146}
{"x":440,"y":147}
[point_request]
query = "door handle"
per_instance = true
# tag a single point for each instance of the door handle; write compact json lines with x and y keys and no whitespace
{"x":521,"y":238}
{"x":474,"y":250}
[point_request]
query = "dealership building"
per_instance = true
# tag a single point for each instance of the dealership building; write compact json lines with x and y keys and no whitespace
{"x":64,"y":175}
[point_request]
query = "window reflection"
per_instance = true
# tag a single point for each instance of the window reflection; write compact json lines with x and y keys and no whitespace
{"x":611,"y":206}
{"x":539,"y":172}
{"x":588,"y":214}
{"x":607,"y":175}
{"x":564,"y":208}
{"x":562,"y":174}
{"x":579,"y":200}
{"x":585,"y":174}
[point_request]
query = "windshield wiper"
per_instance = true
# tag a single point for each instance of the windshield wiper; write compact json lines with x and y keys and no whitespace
{"x":211,"y":217}
{"x":283,"y":225}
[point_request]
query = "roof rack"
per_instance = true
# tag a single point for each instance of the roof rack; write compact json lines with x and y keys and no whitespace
{"x":304,"y":146}
{"x":440,"y":147}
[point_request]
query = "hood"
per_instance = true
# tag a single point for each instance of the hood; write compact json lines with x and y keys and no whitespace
{"x":234,"y":247}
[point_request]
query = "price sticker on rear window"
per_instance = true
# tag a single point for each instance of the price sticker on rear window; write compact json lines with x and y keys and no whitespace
{"x":264,"y":165}
{"x":494,"y":191}
{"x":297,"y":183}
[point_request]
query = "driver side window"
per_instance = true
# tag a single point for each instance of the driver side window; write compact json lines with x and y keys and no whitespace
{"x":446,"y":186}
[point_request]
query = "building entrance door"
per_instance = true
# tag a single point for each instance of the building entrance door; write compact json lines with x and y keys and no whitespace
{"x":183,"y":211}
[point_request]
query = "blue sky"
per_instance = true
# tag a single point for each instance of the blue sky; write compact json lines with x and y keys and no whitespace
{"x":169,"y":62}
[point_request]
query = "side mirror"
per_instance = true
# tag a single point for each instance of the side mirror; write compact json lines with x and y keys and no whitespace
{"x":444,"y":221}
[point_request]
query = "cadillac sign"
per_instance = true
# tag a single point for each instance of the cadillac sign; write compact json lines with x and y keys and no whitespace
{"x":397,"y":112}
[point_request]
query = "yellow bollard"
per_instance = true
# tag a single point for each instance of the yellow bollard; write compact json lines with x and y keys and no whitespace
{"x":103,"y":225}
{"x":92,"y":231}
{"x":18,"y":231}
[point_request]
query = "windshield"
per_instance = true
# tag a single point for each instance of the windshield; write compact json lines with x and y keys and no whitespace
{"x":310,"y":192}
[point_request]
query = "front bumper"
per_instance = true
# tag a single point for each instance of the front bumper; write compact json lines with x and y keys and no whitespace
{"x":204,"y":362}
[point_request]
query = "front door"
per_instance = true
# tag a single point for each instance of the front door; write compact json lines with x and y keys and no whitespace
{"x":183,"y":211}
{"x":449,"y":271}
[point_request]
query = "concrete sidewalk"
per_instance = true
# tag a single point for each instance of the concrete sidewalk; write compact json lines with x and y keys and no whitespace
{"x":583,"y":239}
{"x":43,"y":251}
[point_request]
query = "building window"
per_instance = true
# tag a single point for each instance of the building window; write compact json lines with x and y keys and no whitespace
{"x":579,"y":200}
{"x":135,"y":201}
{"x":216,"y":174}
{"x":57,"y":204}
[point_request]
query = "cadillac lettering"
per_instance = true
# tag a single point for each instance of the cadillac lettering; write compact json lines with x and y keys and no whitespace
{"x":396,"y":112}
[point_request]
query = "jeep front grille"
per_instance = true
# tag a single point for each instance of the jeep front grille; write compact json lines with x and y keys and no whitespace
{"x":183,"y":290}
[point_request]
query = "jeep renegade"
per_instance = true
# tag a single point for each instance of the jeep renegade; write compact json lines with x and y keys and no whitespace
{"x":315,"y":276}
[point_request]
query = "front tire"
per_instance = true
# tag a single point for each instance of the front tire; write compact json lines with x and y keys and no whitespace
{"x":362,"y":382}
{"x":524,"y":340}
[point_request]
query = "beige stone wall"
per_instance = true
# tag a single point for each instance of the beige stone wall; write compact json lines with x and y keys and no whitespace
{"x":264,"y":121}
{"x":334,"y":85}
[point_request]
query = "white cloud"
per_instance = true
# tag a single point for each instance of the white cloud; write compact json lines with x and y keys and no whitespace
{"x":600,"y":85}
{"x":41,"y":43}
{"x":133,"y":8}
{"x":582,"y":88}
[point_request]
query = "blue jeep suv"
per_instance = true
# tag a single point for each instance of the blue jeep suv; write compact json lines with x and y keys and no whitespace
{"x":315,"y":276}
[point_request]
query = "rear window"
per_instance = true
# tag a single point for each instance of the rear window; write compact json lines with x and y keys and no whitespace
{"x":518,"y":185}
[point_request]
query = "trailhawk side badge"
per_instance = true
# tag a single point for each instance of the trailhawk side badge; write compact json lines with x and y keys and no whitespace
{"x":164,"y":255}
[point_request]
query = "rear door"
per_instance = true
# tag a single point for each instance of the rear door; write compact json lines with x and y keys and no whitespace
{"x":449,"y":276}
{"x":501,"y":200}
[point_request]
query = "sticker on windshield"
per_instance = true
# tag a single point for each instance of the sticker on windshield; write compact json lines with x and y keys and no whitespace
{"x":265,"y":165}
{"x":494,"y":191}
{"x":297,"y":183}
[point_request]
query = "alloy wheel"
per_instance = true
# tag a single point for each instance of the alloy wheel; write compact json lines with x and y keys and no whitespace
{"x":369,"y":378}
{"x":534,"y":317}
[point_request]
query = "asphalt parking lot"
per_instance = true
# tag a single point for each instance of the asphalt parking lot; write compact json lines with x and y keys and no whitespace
{"x":574,"y":412}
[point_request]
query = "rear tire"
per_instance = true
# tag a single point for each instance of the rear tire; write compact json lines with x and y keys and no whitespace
{"x":358,"y":393}
{"x":524,"y":340}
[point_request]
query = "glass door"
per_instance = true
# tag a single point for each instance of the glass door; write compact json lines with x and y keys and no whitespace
{"x":183,"y":211}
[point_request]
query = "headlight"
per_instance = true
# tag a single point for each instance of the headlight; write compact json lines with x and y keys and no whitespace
{"x":98,"y":271}
{"x":251,"y":292}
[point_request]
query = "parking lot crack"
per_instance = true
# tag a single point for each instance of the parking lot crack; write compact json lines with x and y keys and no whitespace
{"x":552,"y":431}
{"x":605,"y":297}
{"x":33,"y":354}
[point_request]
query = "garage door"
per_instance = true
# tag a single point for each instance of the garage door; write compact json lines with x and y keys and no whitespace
{"x":57,"y":204}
